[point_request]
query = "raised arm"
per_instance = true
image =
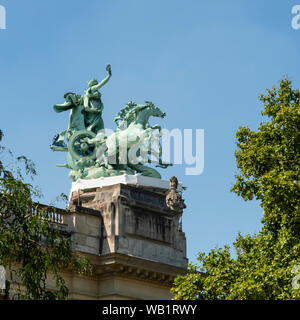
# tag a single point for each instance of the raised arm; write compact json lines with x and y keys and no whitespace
{"x":105,"y":80}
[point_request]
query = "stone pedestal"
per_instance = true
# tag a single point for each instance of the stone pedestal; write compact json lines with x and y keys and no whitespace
{"x":134,"y":241}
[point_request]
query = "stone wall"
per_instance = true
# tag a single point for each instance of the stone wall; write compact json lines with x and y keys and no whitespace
{"x":132,"y":221}
{"x":132,"y":239}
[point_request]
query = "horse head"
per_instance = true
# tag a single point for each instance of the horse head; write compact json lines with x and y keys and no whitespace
{"x":155,"y":111}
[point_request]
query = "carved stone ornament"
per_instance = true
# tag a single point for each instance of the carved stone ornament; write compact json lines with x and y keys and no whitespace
{"x":174,"y":199}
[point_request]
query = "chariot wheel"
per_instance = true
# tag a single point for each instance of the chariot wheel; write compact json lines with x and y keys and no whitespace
{"x":78,"y":146}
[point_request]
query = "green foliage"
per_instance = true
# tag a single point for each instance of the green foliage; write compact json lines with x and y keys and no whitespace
{"x":269,"y":163}
{"x":31,"y":246}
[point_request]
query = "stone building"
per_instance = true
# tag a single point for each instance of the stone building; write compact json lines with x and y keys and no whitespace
{"x":133,"y":240}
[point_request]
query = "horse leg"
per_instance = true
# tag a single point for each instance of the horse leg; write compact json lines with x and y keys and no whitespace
{"x":145,"y":171}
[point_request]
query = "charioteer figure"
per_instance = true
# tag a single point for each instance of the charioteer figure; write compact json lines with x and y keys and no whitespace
{"x":92,"y":103}
{"x":85,"y":112}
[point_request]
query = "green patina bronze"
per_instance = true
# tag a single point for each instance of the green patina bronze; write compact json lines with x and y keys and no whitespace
{"x":94,"y":154}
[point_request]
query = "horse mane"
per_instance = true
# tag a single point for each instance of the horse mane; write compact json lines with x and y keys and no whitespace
{"x":128,"y":113}
{"x":123,"y":112}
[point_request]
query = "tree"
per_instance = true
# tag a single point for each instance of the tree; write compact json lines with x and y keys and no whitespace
{"x":269,"y":170}
{"x":31,"y":246}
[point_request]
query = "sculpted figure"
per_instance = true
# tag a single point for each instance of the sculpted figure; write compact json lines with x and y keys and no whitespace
{"x":92,"y":103}
{"x":174,"y":199}
{"x":92,"y":153}
{"x":73,"y":102}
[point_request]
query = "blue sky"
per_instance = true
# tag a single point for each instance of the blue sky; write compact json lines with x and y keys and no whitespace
{"x":203,"y":62}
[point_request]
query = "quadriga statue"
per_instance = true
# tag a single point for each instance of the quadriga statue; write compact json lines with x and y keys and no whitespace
{"x":94,"y":154}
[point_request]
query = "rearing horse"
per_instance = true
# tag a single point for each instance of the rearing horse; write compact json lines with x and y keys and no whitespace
{"x":134,"y":135}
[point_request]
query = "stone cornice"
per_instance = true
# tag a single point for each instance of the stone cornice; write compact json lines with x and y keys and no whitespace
{"x":116,"y":264}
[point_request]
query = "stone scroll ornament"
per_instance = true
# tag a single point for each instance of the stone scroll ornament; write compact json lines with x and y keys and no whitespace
{"x":94,"y":154}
